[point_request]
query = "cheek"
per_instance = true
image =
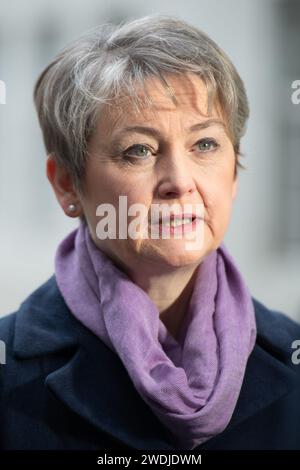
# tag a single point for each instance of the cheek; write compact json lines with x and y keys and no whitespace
{"x":217,"y":198}
{"x":108,"y":183}
{"x":104,"y":183}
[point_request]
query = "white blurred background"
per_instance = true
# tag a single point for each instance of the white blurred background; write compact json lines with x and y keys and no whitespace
{"x":263,"y":40}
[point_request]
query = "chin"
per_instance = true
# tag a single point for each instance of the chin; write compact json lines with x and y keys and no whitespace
{"x":173,"y":254}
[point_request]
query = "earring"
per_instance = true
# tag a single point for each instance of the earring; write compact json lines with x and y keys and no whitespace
{"x":72,"y":207}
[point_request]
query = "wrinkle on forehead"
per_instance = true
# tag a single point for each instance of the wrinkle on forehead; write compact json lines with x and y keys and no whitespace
{"x":186,"y":91}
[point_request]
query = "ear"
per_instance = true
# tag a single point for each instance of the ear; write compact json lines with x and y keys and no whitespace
{"x":62,"y":185}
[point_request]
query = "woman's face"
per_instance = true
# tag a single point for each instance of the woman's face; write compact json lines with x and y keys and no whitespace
{"x":170,"y":159}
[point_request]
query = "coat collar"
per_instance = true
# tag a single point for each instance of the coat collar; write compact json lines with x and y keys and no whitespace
{"x":95,"y":384}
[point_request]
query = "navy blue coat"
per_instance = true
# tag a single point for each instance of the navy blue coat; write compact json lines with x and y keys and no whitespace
{"x":63,"y":388}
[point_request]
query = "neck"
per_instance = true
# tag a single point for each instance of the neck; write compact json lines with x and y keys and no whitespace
{"x":170,"y":291}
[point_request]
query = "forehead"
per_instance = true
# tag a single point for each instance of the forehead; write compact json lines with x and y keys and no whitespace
{"x":183,"y":94}
{"x":188,"y":90}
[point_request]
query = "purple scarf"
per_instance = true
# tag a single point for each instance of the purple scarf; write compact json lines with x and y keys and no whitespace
{"x":191,"y":385}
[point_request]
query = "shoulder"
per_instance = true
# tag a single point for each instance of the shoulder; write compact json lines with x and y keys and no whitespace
{"x":44,"y":296}
{"x":42,"y":325}
{"x":266,"y":317}
{"x":7,"y":323}
{"x":45,"y":313}
{"x":276,"y":331}
{"x":7,"y":327}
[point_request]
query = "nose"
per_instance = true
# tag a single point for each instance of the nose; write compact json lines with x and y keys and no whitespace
{"x":176,"y":180}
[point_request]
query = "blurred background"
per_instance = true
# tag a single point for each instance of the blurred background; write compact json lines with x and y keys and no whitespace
{"x":262,"y":38}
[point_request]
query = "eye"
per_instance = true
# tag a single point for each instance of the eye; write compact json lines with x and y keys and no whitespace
{"x":138,"y":151}
{"x":207,"y":144}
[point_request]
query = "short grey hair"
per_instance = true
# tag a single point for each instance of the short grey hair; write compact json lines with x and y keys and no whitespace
{"x":109,"y":61}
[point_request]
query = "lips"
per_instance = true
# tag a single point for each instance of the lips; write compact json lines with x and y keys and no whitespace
{"x":174,"y":217}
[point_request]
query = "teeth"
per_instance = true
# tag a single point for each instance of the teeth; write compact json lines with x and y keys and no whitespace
{"x":176,"y":223}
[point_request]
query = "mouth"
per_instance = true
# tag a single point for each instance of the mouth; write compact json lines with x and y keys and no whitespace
{"x":176,"y":223}
{"x":177,"y":220}
{"x":174,"y":220}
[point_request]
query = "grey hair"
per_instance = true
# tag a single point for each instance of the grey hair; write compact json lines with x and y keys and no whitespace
{"x":107,"y":63}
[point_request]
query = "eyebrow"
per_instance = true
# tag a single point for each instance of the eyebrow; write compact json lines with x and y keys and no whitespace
{"x":156,"y":133}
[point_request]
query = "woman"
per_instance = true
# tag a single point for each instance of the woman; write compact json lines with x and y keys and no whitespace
{"x":143,"y":339}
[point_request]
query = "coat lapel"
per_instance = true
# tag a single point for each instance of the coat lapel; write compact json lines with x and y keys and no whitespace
{"x":266,"y":380}
{"x":95,"y":384}
{"x":97,"y":387}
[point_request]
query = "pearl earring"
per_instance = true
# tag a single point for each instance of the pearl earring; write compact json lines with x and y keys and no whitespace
{"x":72,"y":207}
